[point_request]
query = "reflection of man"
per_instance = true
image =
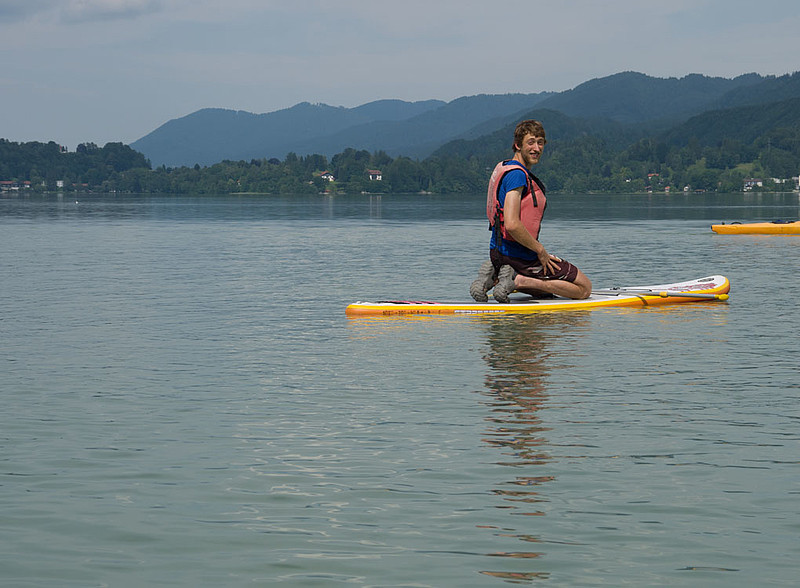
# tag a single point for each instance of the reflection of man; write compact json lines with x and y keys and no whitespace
{"x":515,"y":206}
{"x":521,"y":359}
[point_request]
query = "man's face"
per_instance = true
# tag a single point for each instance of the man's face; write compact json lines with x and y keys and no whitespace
{"x":531,"y":149}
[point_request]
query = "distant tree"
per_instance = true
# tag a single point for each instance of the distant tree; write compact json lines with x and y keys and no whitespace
{"x":87,"y":148}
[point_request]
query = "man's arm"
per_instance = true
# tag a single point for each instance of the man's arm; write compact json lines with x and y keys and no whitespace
{"x":513,"y":223}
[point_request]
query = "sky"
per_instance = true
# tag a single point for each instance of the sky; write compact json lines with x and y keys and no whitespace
{"x":78,"y":71}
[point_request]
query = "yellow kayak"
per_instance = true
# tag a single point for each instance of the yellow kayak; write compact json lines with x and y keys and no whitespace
{"x":710,"y":288}
{"x":767,"y":228}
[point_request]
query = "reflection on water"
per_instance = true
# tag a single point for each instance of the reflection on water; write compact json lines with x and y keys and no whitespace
{"x":393,"y":207}
{"x":521,"y":363}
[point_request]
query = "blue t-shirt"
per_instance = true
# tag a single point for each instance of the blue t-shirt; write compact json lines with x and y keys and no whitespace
{"x":513,"y":180}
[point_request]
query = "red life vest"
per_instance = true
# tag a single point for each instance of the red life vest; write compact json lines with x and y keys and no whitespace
{"x":531,"y":209}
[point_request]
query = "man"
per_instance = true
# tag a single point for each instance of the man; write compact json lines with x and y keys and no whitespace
{"x":515,"y":206}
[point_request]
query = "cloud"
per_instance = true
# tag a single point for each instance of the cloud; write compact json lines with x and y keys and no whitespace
{"x":100,"y":10}
{"x":77,"y":11}
{"x":16,"y":10}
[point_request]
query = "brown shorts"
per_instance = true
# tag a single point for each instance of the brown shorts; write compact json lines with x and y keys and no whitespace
{"x":533,"y":269}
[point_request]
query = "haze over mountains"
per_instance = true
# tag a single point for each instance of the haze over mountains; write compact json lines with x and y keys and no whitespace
{"x":620,"y":105}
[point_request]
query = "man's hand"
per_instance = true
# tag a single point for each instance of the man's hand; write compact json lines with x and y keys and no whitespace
{"x":549,"y":262}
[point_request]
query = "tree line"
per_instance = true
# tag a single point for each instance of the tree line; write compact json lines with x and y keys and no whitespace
{"x":580,"y":165}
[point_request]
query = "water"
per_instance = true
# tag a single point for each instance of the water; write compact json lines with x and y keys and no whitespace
{"x":184,"y":402}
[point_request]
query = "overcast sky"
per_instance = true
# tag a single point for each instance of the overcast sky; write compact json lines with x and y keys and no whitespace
{"x":75,"y":71}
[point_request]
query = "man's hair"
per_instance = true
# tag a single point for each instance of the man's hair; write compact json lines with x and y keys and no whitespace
{"x":527,"y":127}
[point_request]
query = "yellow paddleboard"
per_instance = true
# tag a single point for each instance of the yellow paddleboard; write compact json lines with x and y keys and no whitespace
{"x":769,"y":228}
{"x":710,"y":288}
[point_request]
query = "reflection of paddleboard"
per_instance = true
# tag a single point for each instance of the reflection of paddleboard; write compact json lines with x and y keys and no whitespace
{"x":708,"y":288}
{"x":769,"y":228}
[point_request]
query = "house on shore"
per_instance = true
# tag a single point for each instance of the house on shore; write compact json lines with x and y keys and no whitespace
{"x":13,"y":185}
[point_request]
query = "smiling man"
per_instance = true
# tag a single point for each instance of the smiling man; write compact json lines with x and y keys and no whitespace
{"x":515,"y":206}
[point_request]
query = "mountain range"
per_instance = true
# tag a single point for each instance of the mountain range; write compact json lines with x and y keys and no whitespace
{"x":620,"y":107}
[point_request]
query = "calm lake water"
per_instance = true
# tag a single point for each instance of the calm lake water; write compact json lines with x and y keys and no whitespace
{"x":184,"y":403}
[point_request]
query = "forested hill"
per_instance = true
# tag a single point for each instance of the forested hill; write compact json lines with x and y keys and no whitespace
{"x":632,"y":97}
{"x":696,"y":133}
{"x":769,"y":90}
{"x":399,"y":128}
{"x":745,"y":125}
{"x":417,"y":129}
{"x":712,"y":151}
{"x":766,"y":111}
